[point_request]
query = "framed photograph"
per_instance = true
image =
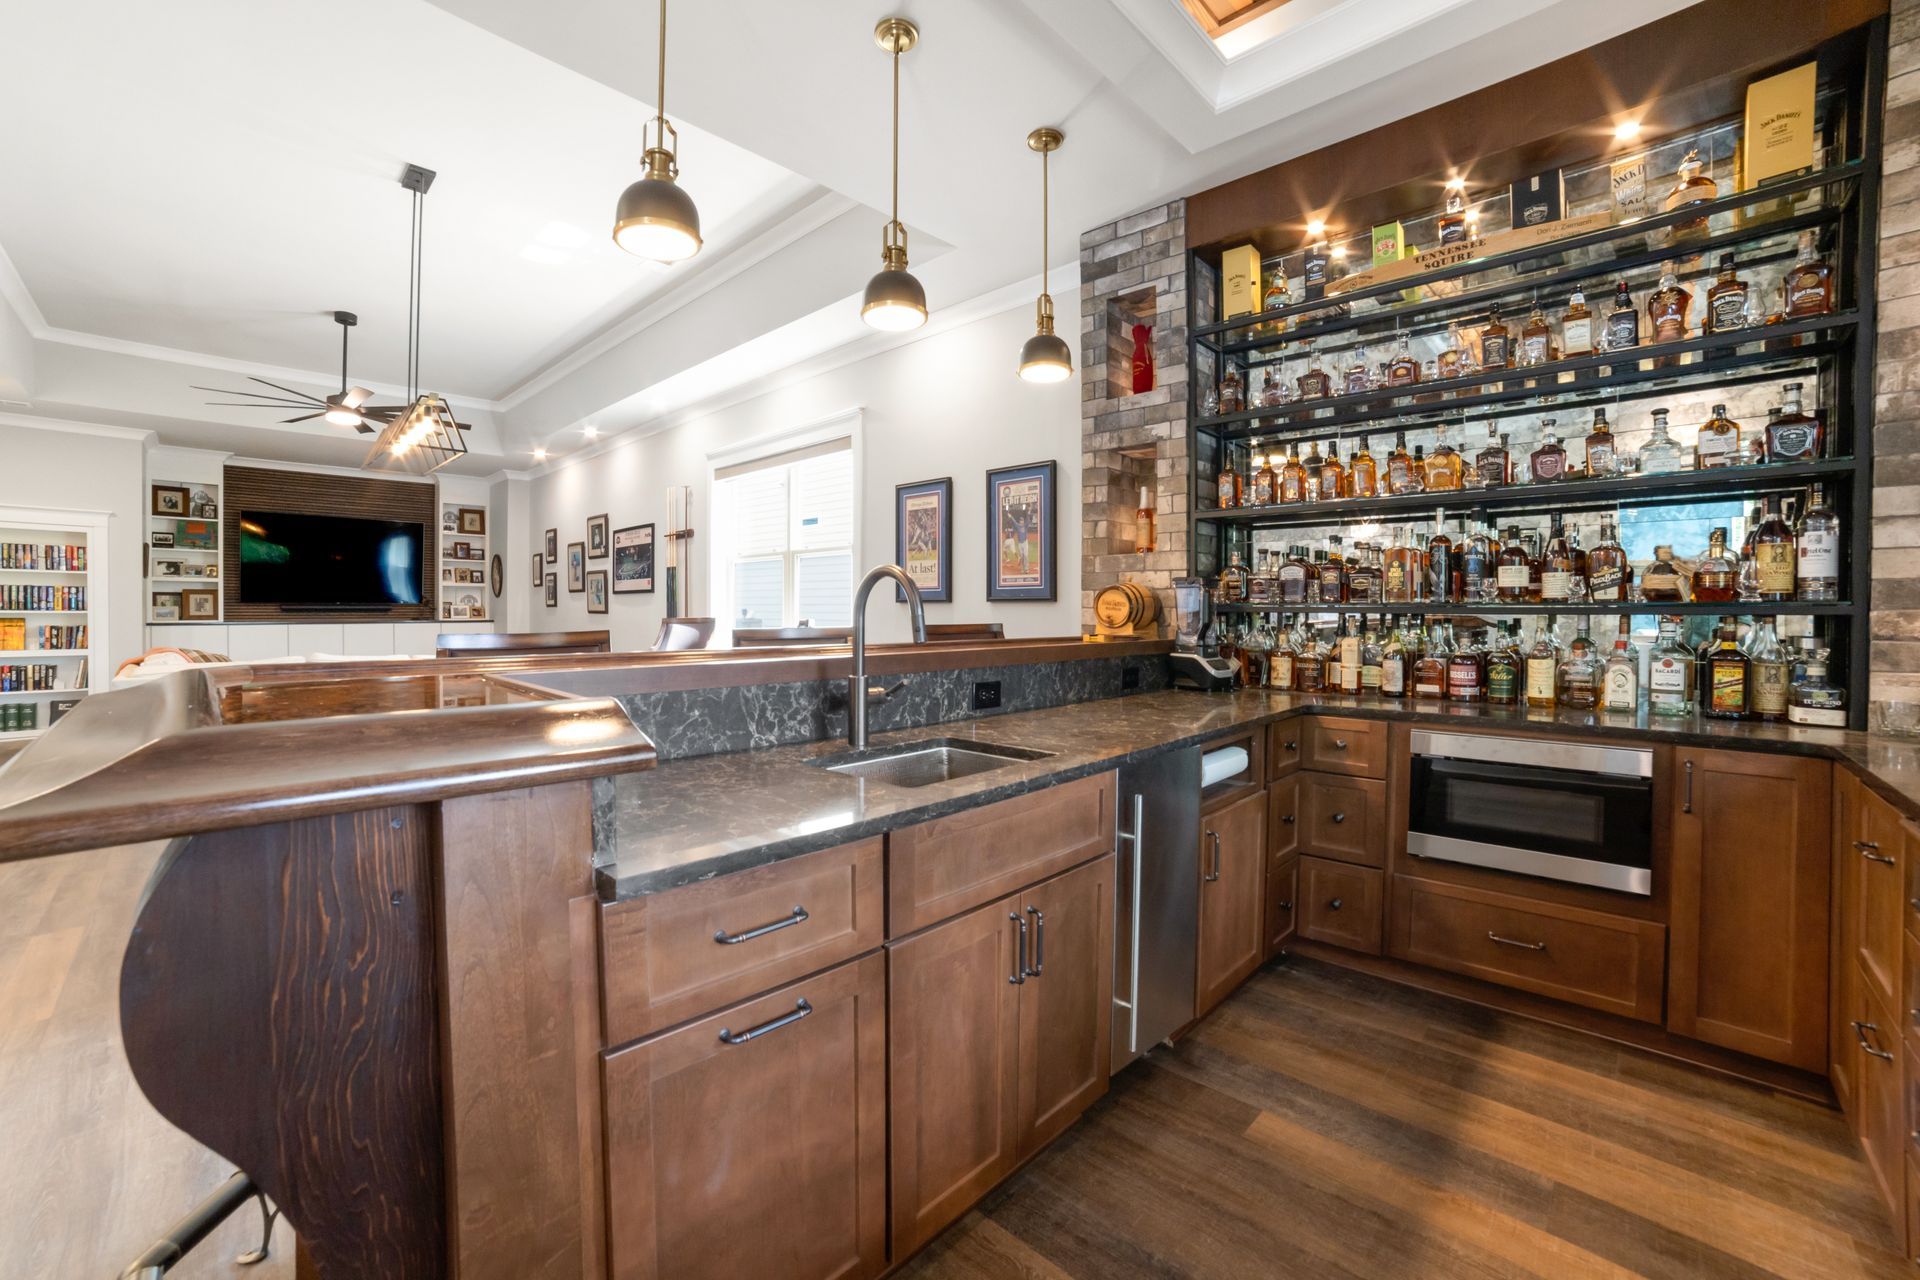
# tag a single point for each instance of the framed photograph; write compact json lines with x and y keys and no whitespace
{"x":496,"y":577}
{"x":923,"y":537}
{"x":576,"y":566}
{"x":597,"y":548}
{"x":597,"y":591}
{"x":170,"y":500}
{"x":478,"y":577}
{"x":168,"y":568}
{"x":539,"y":569}
{"x":161,"y":538}
{"x":633,"y":559}
{"x":165,"y":606}
{"x":197,"y":604}
{"x":553,"y":592}
{"x":446,"y":575}
{"x":459,"y":551}
{"x":197,"y":570}
{"x":211,"y":569}
{"x":202,"y":506}
{"x":449,"y":520}
{"x":1022,"y":511}
{"x":473,"y":520}
{"x":553,"y":545}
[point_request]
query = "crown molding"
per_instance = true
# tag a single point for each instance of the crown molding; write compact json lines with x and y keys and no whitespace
{"x":77,"y":428}
{"x":14,"y":291}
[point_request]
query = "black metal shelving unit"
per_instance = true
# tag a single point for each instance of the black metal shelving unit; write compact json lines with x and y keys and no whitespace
{"x":1832,"y":354}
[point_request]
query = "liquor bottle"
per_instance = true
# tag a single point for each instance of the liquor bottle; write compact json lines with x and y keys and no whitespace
{"x":1271,"y":395}
{"x":1333,"y":475}
{"x":1670,"y":673}
{"x":1266,"y":482}
{"x":1620,"y":679}
{"x":1333,"y":575}
{"x":1143,"y":518}
{"x":1768,"y":686}
{"x":1279,"y":295}
{"x":1417,"y":473}
{"x":1233,"y":391}
{"x":1557,"y":573}
{"x":1549,"y":462}
{"x":1691,"y":187}
{"x":1609,"y":571}
{"x":1316,"y":383}
{"x":1254,"y":651}
{"x":1260,"y":582}
{"x":1504,"y":678}
{"x":1718,"y":444}
{"x":1363,"y":576}
{"x":1660,"y":581}
{"x":1723,"y":673}
{"x":1309,"y":663}
{"x":1400,"y":584}
{"x":1727,"y":300}
{"x":1430,"y":668}
{"x":1447,"y":363}
{"x":1716,"y":574}
{"x":1814,"y":699}
{"x":1542,"y":667}
{"x":1310,"y":481}
{"x":1350,"y":650}
{"x":1440,"y":551}
{"x":1513,"y":568}
{"x":1661,"y":453}
{"x":1293,"y":479}
{"x":1466,"y":671}
{"x":1775,"y":559}
{"x":1536,"y":338}
{"x":1478,"y":571}
{"x":1580,"y":672}
{"x":1623,"y":322}
{"x":1445,"y":469}
{"x":1667,"y":308}
{"x":1232,"y":485}
{"x":1280,"y":661}
{"x":1370,"y":659}
{"x":1809,"y":283}
{"x":1601,"y":459}
{"x":1576,"y":327}
{"x":1393,"y":662}
{"x":1403,"y":370}
{"x":1233,"y":581}
{"x":1400,"y":466}
{"x":1363,"y":475}
{"x":1452,"y":225}
{"x":1494,"y":464}
{"x":1293,"y":576}
{"x":1818,"y":569}
{"x":1792,"y":435}
{"x":1359,"y":374}
{"x":1496,"y":342}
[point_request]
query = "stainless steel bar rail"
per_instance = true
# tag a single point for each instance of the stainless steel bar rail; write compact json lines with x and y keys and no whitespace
{"x":199,"y":1223}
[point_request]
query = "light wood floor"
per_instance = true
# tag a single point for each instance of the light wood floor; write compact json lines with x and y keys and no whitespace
{"x":89,"y":1172}
{"x":1325,"y":1124}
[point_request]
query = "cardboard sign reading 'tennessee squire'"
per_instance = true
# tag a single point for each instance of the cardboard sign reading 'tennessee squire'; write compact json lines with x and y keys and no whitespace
{"x":1440,"y":257}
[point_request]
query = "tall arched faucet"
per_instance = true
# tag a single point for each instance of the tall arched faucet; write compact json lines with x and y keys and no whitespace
{"x":857,"y":691}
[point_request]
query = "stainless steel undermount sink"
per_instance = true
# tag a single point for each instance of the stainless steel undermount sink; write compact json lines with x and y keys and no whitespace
{"x":930,"y":760}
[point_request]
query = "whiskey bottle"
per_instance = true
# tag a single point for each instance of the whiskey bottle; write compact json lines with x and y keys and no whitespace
{"x":1271,"y":396}
{"x":1768,"y":686}
{"x":1278,"y":296}
{"x":1513,"y":568}
{"x":1333,"y":475}
{"x":1557,"y":570}
{"x":1293,"y":576}
{"x":1620,"y":679}
{"x":1351,"y":647}
{"x":1452,"y":224}
{"x":1233,"y":391}
{"x":1359,"y":374}
{"x":1670,"y":673}
{"x":1401,"y":475}
{"x":1718,"y":444}
{"x":1430,"y":668}
{"x":1309,"y":663}
{"x":1814,"y":699}
{"x":1792,"y":435}
{"x":1393,"y":662}
{"x":1504,"y":678}
{"x":1478,"y":571}
{"x":1447,"y":363}
{"x":1601,"y":459}
{"x":1661,"y":453}
{"x":1403,"y":370}
{"x":1280,"y":661}
{"x":1496,"y":343}
{"x":1623,"y":322}
{"x":1660,"y":581}
{"x":1576,"y":327}
{"x":1445,"y":469}
{"x":1440,"y":567}
{"x":1233,"y":581}
{"x":1315,"y":383}
{"x":1775,"y":562}
{"x":1580,"y":672}
{"x":1818,"y":570}
{"x":1723,"y":673}
{"x":1691,"y":187}
{"x":1542,"y":667}
{"x":1667,"y":308}
{"x":1716,"y":574}
{"x":1549,"y":462}
{"x":1266,"y":482}
{"x":1371,"y":653}
{"x":1261,"y":584}
{"x":1400,"y":583}
{"x":1727,"y":300}
{"x":1143,"y":517}
{"x":1362,"y":473}
{"x":1466,"y":671}
{"x":1494,"y":464}
{"x":1333,"y":575}
{"x":1536,"y":337}
{"x":1293,"y":479}
{"x":1310,"y":484}
{"x":1809,"y":283}
{"x":1363,"y":575}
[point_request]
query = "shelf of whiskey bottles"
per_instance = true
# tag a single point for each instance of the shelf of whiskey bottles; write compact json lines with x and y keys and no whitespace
{"x":1732,"y":671}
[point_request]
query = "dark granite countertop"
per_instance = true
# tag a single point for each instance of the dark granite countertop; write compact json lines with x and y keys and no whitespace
{"x":693,"y":819}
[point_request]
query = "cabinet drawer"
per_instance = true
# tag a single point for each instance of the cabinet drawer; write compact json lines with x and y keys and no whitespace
{"x":953,"y":864}
{"x":1354,"y":747}
{"x":1283,"y":816}
{"x":1912,"y":913}
{"x":1343,"y":818}
{"x":1283,"y":884}
{"x":1283,"y":747}
{"x":1340,"y":904}
{"x":672,"y":956}
{"x":1583,"y":957}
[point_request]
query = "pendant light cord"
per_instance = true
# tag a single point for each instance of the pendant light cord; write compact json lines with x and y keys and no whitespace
{"x":896,"y":133}
{"x":660,"y":107}
{"x":1045,"y":205}
{"x":415,"y":257}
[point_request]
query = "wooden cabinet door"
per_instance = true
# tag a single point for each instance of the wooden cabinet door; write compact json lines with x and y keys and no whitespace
{"x":753,"y":1142}
{"x":1232,"y":898}
{"x":1283,"y":746}
{"x":1342,"y":904}
{"x":1344,"y":818}
{"x":1879,"y":1097}
{"x":1066,"y":1003}
{"x":1283,"y":817}
{"x":1878,"y":894}
{"x":1842,"y":1055}
{"x":954,"y":1000}
{"x":1749,"y":906}
{"x":1283,"y":879}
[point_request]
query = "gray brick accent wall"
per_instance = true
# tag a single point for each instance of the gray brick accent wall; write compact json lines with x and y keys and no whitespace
{"x":1896,"y":431}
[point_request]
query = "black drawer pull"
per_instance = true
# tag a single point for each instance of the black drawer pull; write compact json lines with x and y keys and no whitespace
{"x":1340,"y":817}
{"x":1287,"y":905}
{"x":1335,"y":904}
{"x":800,"y":1010}
{"x":1870,"y":850}
{"x":1860,"y":1029}
{"x":1288,"y":819}
{"x":1340,"y":744}
{"x":1292,"y":744}
{"x":725,"y":939}
{"x":1515,"y":942}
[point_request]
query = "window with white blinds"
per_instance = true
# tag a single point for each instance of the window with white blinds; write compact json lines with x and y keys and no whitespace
{"x":786,"y":526}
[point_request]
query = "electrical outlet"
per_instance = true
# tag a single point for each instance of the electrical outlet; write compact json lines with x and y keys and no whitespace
{"x":1129,"y":678}
{"x":986,"y":695}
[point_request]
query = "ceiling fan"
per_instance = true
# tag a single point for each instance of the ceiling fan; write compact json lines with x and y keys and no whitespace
{"x":348,"y":407}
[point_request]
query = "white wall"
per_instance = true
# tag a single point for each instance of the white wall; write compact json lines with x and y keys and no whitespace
{"x":946,"y":405}
{"x":60,"y":466}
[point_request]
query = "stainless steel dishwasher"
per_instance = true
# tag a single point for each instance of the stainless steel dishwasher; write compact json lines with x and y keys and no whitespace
{"x":1156,"y":901}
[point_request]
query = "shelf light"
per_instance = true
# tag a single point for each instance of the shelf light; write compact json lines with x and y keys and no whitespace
{"x":1626,"y":131}
{"x":1316,"y":228}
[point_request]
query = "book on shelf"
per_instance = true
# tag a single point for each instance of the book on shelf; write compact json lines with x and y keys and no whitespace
{"x":37,"y":598}
{"x":48,"y":556}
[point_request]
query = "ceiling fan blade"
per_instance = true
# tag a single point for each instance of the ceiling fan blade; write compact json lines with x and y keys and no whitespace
{"x":354,"y":397}
{"x":289,"y":390}
{"x":363,"y":428}
{"x":260,"y":400}
{"x":303,"y":418}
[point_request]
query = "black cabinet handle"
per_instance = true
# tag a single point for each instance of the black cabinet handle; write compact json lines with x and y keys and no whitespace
{"x":1515,"y":942}
{"x":1039,"y":941}
{"x":1288,"y":819}
{"x":725,"y":939}
{"x":1340,"y":744}
{"x":1293,"y":745}
{"x":1019,"y":975}
{"x":1870,"y":850}
{"x":1335,"y":904}
{"x":1340,"y":817}
{"x":1687,"y":805}
{"x":800,"y":1010}
{"x":1287,"y":905}
{"x":1860,"y":1029}
{"x":1215,"y":873}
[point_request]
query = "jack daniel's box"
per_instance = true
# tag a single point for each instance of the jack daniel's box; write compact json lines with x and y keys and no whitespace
{"x":1536,"y":201}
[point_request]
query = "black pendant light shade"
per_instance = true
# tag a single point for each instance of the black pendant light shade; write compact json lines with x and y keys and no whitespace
{"x":895,"y":302}
{"x":1045,"y":357}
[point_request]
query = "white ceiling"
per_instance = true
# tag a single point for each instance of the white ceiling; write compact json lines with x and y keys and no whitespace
{"x":204,"y":180}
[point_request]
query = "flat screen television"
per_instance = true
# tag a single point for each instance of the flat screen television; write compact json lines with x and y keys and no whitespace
{"x":343,"y":562}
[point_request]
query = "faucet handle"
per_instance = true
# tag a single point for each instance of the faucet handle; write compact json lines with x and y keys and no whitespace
{"x":880,"y":693}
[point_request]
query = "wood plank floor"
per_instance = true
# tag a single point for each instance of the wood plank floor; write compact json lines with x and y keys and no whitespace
{"x":1322,"y":1123}
{"x":89,"y":1173}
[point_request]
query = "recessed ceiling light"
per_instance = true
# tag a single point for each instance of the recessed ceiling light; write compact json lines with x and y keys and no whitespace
{"x":1626,"y":130}
{"x":1457,"y":183}
{"x":539,"y":455}
{"x":1316,"y":228}
{"x":590,"y":431}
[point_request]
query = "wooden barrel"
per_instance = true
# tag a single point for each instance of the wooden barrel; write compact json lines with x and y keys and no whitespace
{"x":1124,"y":608}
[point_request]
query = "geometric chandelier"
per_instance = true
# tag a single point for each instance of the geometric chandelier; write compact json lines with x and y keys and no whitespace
{"x":424,"y":436}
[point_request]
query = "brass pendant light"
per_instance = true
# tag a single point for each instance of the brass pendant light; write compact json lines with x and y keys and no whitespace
{"x":656,"y":219}
{"x":895,"y":301}
{"x":1046,"y":357}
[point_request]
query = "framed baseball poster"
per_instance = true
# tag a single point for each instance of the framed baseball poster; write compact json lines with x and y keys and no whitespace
{"x":923,"y":537}
{"x":633,"y":559}
{"x":1022,"y":525}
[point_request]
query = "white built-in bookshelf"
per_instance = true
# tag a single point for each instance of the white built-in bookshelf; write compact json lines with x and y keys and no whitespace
{"x":53,"y":600}
{"x":183,"y":551}
{"x":466,"y":590}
